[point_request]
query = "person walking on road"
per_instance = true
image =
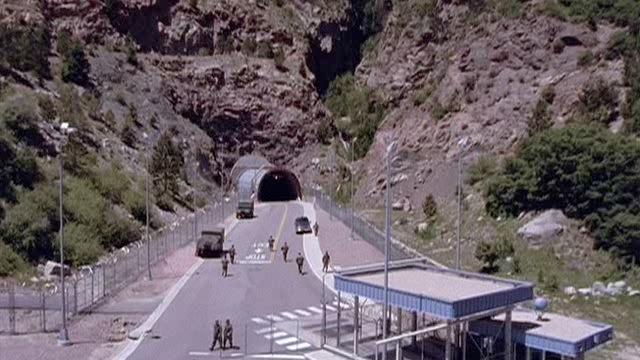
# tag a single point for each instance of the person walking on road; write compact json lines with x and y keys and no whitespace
{"x":217,"y":335}
{"x":228,"y":335}
{"x":300,"y":262}
{"x":225,"y":266}
{"x":271,"y":243}
{"x":285,"y":251}
{"x":232,"y":253}
{"x":315,"y":228}
{"x":325,"y":261}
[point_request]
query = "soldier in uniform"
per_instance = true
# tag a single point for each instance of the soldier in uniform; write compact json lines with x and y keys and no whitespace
{"x":228,"y":334}
{"x":232,"y":253}
{"x":315,"y":228}
{"x":300,"y":262}
{"x":285,"y":251}
{"x":225,"y":266}
{"x":217,"y":335}
{"x":271,"y":242}
{"x":325,"y":261}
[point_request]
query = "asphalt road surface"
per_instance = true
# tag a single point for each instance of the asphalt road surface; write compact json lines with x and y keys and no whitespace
{"x":260,"y":288}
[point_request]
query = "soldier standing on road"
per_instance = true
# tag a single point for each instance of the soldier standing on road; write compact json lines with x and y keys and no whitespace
{"x":300,"y":262}
{"x":217,"y":335}
{"x":228,"y":334}
{"x":325,"y":261}
{"x":285,"y":251}
{"x":225,"y":266}
{"x":271,"y":242}
{"x":315,"y":228}
{"x":232,"y":253}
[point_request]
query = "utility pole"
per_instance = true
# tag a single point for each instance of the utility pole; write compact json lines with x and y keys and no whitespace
{"x":63,"y":337}
{"x":353,"y":202}
{"x":146,"y":201}
{"x":461,"y":145}
{"x":195,"y":205}
{"x":390,"y":154}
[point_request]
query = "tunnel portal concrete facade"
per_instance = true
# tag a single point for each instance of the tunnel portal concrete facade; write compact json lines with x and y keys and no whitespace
{"x":257,"y":179}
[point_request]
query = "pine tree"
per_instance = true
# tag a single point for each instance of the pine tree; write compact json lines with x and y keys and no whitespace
{"x":75,"y":66}
{"x":166,"y":165}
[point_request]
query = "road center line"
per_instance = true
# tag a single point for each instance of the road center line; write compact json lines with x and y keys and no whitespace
{"x":279,"y":233}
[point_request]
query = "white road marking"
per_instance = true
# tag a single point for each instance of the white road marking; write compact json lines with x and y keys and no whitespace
{"x":237,"y":354}
{"x":276,"y":335}
{"x":274,"y":317}
{"x":329,"y":307}
{"x":315,"y":309}
{"x":342,"y":305}
{"x":199,"y":353}
{"x":299,"y":346}
{"x":286,"y":341}
{"x":302,"y":312}
{"x":289,"y":315}
{"x":253,"y":262}
{"x":265,"y":330}
{"x":277,"y":356}
{"x":258,"y":320}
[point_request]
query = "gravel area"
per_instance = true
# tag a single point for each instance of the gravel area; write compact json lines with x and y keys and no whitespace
{"x":100,"y":335}
{"x":343,"y":250}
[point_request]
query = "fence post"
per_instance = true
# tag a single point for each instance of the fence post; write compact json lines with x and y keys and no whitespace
{"x":43,"y":310}
{"x":104,"y":280}
{"x":138,"y":261}
{"x":75,"y":297}
{"x":12,"y":308}
{"x":92,"y":297}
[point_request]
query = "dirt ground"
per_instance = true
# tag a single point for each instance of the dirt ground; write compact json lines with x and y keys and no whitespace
{"x":101,"y":334}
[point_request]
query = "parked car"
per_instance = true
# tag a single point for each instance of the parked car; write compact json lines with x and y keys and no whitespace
{"x":302,"y":225}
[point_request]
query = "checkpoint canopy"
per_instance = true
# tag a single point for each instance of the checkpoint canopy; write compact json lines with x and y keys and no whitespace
{"x":442,"y":293}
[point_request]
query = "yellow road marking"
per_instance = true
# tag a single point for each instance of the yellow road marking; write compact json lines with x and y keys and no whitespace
{"x":277,"y":239}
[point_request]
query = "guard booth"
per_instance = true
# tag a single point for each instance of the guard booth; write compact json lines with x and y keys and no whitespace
{"x":439,"y":313}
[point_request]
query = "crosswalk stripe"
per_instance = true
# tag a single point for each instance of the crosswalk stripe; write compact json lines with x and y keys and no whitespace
{"x":315,"y":309}
{"x":277,"y":356}
{"x":302,"y":312}
{"x":329,"y":307}
{"x":258,"y":320}
{"x":342,"y":305}
{"x":276,"y":335}
{"x":274,"y":317}
{"x":299,"y":346}
{"x":266,"y":330}
{"x":289,"y":315}
{"x":287,"y":341}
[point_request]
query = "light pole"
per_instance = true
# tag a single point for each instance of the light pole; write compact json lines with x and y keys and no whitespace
{"x":461,"y":147}
{"x":391,"y":149}
{"x":146,"y":202}
{"x":195,"y":205}
{"x":353,"y":202}
{"x":63,"y":338}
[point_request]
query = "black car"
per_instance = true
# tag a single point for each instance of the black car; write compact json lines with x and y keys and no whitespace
{"x":302,"y":225}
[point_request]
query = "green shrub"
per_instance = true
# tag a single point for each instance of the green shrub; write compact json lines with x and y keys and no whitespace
{"x":18,"y":168}
{"x":278,"y":3}
{"x":166,"y":165}
{"x":78,"y":160}
{"x":47,"y":107}
{"x":81,"y":244}
{"x":165,"y":203}
{"x":111,"y":182}
{"x":117,"y":231}
{"x":325,"y":132}
{"x":26,"y":48}
{"x":585,"y":171}
{"x":278,"y":59}
{"x":430,"y":206}
{"x":552,"y":9}
{"x":586,"y":59}
{"x":540,"y":119}
{"x":10,"y":262}
{"x":70,"y":107}
{"x":128,"y":134}
{"x":134,"y":201}
{"x":437,"y":110}
{"x":548,"y":94}
{"x":18,"y":115}
{"x":224,"y":45}
{"x":75,"y":66}
{"x":510,"y":8}
{"x":597,"y":102}
{"x":486,"y":253}
{"x":249,"y":46}
{"x":64,"y":44}
{"x":84,"y":203}
{"x":484,"y":168}
{"x":265,"y":50}
{"x":619,"y":44}
{"x":345,"y":98}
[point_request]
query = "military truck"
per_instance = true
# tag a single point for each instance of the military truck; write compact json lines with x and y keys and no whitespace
{"x":245,"y":209}
{"x":210,"y":242}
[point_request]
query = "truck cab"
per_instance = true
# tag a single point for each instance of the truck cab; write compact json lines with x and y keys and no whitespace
{"x":210,"y":242}
{"x":245,"y":209}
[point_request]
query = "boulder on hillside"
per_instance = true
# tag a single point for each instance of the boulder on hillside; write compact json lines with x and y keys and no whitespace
{"x":544,"y":227}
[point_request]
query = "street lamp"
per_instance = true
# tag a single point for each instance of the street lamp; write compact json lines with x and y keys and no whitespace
{"x":391,"y":149}
{"x":462,"y":144}
{"x":146,"y":202}
{"x":63,"y":338}
{"x":195,"y":205}
{"x":351,"y":148}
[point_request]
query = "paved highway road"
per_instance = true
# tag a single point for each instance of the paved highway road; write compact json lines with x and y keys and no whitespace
{"x":260,"y":284}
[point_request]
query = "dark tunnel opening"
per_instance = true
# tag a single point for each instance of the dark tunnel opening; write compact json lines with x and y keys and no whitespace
{"x":279,"y":185}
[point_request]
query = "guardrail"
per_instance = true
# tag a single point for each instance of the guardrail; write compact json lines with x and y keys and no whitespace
{"x":37,"y":308}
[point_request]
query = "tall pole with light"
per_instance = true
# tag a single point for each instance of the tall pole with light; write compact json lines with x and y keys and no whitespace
{"x":390,"y":153}
{"x":462,"y":144}
{"x":353,"y":175}
{"x":146,"y":202}
{"x":195,"y":205}
{"x":63,"y":337}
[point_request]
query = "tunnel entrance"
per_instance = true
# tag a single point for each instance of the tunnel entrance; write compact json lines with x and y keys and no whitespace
{"x":279,"y":185}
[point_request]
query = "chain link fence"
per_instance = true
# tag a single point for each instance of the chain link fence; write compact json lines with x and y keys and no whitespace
{"x":37,"y":308}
